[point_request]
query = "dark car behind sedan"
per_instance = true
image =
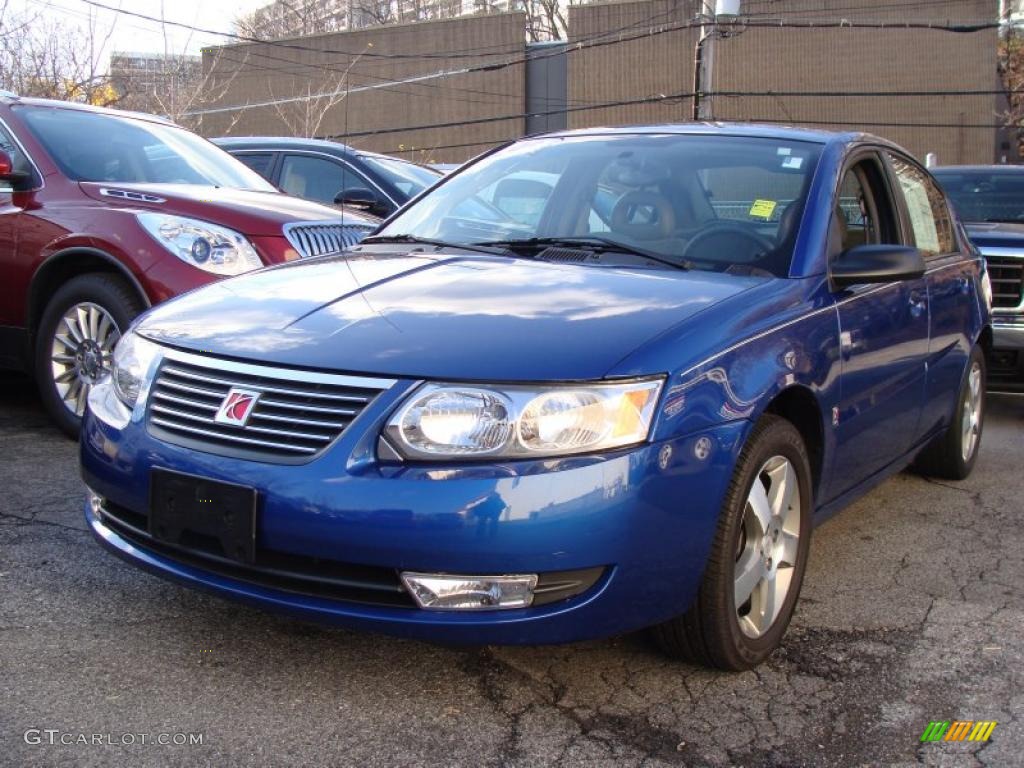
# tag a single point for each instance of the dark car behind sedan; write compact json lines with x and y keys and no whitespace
{"x":990,"y":201}
{"x":332,"y":173}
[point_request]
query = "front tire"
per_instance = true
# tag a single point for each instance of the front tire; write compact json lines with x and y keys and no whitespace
{"x":75,"y":342}
{"x":757,"y":560}
{"x":953,"y":454}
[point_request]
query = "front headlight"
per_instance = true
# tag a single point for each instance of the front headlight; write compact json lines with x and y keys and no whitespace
{"x":133,"y":356}
{"x":209,"y":247}
{"x":453,"y":421}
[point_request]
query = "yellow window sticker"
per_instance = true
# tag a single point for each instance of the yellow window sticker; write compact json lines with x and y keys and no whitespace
{"x":762,"y":209}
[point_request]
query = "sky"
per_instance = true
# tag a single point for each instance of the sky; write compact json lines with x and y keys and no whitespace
{"x":138,"y":35}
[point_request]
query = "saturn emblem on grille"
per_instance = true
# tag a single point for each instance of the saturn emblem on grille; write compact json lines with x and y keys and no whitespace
{"x":237,"y":407}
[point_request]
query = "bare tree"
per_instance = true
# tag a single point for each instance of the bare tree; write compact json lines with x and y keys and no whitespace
{"x":309,"y":99}
{"x":175,"y":84}
{"x":43,"y":55}
{"x":293,"y":18}
{"x":372,"y":13}
{"x":1011,"y":72}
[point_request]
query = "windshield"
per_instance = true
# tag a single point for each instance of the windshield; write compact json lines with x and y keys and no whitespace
{"x":94,"y":146}
{"x":985,"y":195}
{"x":410,"y":179}
{"x":709,"y":202}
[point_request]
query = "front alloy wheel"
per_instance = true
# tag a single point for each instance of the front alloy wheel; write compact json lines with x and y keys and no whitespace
{"x":75,"y":342}
{"x":768,"y":546}
{"x":80,"y":351}
{"x":756,"y":565}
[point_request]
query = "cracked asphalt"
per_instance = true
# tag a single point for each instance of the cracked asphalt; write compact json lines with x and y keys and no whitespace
{"x":912,"y":610}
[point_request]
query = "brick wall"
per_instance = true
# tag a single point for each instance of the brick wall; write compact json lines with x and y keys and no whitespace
{"x":608,"y":66}
{"x":251,"y":74}
{"x":800,"y":60}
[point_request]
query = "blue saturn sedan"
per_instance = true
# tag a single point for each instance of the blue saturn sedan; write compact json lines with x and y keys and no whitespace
{"x":595,"y":381}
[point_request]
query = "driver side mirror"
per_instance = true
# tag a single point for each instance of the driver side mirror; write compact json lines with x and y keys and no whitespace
{"x":360,"y":198}
{"x":18,"y":180}
{"x":876,"y":264}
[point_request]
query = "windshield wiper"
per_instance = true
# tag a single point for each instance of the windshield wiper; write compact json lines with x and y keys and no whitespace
{"x":416,"y":240}
{"x":1003,"y":221}
{"x":594,"y":243}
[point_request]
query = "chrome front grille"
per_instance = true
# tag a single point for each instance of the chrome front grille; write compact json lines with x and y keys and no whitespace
{"x":317,"y":238}
{"x":1007,"y":277}
{"x":295,"y":416}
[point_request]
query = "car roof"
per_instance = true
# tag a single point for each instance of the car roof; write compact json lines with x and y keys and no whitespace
{"x":977,"y":169}
{"x":285,"y":142}
{"x":752,"y":130}
{"x":78,"y":107}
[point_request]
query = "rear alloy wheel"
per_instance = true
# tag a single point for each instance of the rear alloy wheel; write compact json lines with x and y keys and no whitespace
{"x":756,"y":565}
{"x":75,"y":342}
{"x":952,"y":454}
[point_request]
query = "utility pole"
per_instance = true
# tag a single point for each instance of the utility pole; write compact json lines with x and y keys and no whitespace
{"x":711,"y":11}
{"x":704,"y":62}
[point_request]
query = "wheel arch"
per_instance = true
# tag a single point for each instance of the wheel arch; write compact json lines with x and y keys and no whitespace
{"x":66,"y":264}
{"x":985,"y":339}
{"x":798,"y":405}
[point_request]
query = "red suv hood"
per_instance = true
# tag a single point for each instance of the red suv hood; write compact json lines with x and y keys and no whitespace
{"x":255,"y":214}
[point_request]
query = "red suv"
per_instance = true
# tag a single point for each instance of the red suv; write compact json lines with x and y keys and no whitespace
{"x":104,"y":213}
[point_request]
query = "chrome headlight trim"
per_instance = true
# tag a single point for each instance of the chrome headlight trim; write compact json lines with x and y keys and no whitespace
{"x":202,"y":244}
{"x":441,"y":421}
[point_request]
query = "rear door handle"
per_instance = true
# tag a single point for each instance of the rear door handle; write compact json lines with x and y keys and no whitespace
{"x":918,"y":303}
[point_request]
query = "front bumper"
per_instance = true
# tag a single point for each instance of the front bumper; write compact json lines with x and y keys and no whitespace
{"x":1006,"y":362}
{"x":1008,"y":331}
{"x":648,"y":526}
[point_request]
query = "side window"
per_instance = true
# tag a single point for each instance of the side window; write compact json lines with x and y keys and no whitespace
{"x":18,"y":159}
{"x":863,"y":211}
{"x":926,"y":208}
{"x":260,"y":162}
{"x":317,"y":178}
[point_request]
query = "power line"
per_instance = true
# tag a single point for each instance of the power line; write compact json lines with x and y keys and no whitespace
{"x":782,"y":24}
{"x":576,"y":47}
{"x":296,"y":71}
{"x":663,"y":98}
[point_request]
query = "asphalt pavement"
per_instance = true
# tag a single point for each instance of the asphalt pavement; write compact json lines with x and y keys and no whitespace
{"x":912,"y":611}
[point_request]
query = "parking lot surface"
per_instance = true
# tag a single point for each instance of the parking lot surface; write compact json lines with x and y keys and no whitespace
{"x":912,"y":611}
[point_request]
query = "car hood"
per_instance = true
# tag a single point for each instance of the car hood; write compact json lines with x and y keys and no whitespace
{"x":256,"y":214}
{"x":441,"y":316}
{"x":996,"y":235}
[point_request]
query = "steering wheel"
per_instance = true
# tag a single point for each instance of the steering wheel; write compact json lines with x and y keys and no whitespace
{"x":727,"y":232}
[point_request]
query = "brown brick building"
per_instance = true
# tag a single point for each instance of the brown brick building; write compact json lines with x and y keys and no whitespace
{"x":817,"y":73}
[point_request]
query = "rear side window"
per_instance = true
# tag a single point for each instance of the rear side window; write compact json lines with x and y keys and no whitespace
{"x":926,"y":207}
{"x":317,"y":178}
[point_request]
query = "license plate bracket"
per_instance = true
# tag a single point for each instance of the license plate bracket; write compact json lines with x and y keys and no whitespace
{"x":183,"y":507}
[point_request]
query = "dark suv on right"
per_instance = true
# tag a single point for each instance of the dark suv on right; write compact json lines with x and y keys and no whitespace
{"x":990,"y":201}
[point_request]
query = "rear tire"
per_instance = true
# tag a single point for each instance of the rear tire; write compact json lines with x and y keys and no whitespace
{"x":75,"y":342}
{"x":952,"y":455}
{"x":759,"y":555}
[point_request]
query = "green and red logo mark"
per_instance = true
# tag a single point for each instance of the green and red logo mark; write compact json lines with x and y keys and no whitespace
{"x":958,"y":730}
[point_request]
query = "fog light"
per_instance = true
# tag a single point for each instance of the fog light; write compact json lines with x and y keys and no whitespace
{"x":440,"y":592}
